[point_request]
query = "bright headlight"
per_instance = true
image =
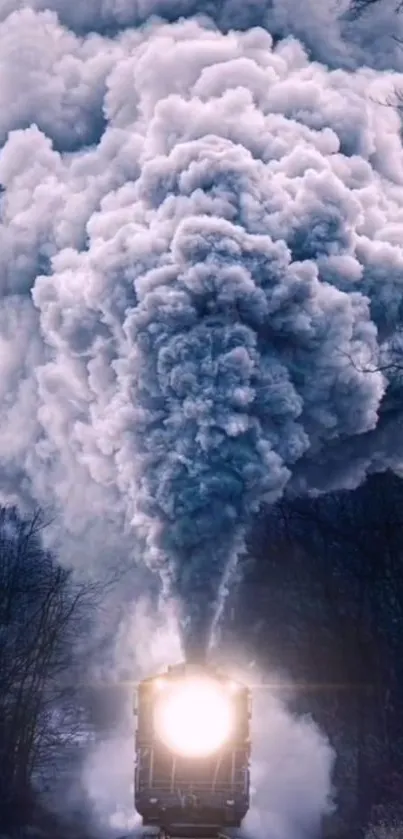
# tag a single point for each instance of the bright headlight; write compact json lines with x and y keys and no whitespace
{"x":194,"y":717}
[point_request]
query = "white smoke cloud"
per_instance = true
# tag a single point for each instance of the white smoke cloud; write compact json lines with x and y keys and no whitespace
{"x":200,"y":260}
{"x":207,"y":285}
{"x":330,"y":30}
{"x":200,"y":274}
{"x":291,"y":771}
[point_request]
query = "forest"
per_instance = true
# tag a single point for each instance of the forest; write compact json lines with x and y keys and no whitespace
{"x":320,"y":599}
{"x":43,"y":616}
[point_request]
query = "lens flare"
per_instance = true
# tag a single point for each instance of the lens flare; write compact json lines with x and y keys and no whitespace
{"x":194,"y":717}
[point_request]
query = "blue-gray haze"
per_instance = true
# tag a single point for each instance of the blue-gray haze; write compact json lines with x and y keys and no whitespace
{"x":201,"y":269}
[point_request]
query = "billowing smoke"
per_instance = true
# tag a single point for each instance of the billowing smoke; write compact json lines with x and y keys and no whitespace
{"x":201,"y":273}
{"x":332,"y":30}
{"x":290,"y":777}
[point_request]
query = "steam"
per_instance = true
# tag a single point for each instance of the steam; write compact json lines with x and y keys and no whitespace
{"x":201,"y":275}
{"x":331,"y":32}
{"x":291,"y":770}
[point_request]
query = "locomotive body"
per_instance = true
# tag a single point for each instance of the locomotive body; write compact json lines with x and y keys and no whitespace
{"x":183,"y":793}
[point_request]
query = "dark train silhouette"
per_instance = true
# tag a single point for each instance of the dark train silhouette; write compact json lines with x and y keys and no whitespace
{"x":192,"y":752}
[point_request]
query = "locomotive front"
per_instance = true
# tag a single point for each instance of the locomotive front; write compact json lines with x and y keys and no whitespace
{"x":192,"y":752}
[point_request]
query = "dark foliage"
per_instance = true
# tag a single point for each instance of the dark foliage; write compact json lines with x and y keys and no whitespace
{"x":323,"y":600}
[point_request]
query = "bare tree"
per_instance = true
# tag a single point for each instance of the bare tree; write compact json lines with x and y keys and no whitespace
{"x":41,"y":610}
{"x":359,"y":7}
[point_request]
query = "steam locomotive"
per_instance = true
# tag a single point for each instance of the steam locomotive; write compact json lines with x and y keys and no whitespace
{"x":192,"y":752}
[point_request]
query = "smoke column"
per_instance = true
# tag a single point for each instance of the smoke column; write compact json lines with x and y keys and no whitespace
{"x":201,"y":273}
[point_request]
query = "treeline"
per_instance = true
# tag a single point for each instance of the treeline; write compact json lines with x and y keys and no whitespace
{"x":322,"y":599}
{"x":41,"y":616}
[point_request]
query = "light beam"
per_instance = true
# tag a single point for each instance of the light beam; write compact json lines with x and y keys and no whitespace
{"x":194,"y":717}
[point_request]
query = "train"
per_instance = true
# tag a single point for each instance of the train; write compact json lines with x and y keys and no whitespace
{"x":192,"y":752}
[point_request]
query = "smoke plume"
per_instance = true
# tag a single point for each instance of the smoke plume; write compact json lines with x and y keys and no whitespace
{"x":332,"y":30}
{"x":201,"y":272}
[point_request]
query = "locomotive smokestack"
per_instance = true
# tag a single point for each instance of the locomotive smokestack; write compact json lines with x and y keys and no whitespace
{"x":196,"y":654}
{"x":196,"y":632}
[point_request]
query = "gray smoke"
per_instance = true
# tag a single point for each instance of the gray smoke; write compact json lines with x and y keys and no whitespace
{"x":201,"y":272}
{"x":332,"y":32}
